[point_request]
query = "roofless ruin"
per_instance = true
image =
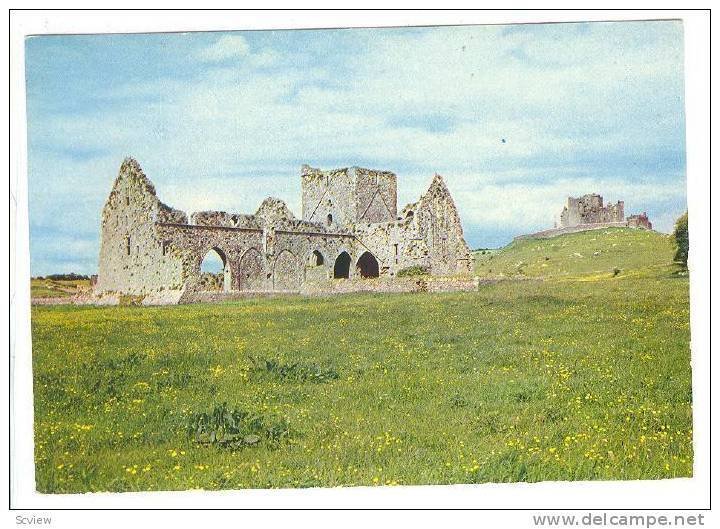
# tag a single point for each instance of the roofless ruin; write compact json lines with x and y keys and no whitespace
{"x":350,"y":230}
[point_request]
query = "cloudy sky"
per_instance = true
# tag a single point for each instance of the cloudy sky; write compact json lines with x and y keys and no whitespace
{"x":222,"y":120}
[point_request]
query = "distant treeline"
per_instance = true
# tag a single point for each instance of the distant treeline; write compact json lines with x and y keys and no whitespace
{"x":64,"y":277}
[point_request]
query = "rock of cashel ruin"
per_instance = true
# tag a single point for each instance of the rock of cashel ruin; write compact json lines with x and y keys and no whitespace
{"x":588,"y":213}
{"x":350,"y":230}
{"x":589,"y":209}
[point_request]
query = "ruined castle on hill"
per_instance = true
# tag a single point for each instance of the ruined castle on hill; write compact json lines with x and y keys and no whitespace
{"x":589,"y":209}
{"x":588,"y":212}
{"x":350,"y":229}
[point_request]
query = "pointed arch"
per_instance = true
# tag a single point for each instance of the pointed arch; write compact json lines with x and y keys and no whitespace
{"x":341,"y":270}
{"x":316,"y":258}
{"x":367,"y":266}
{"x":215,"y":271}
{"x":286,"y":271}
{"x":250,"y":270}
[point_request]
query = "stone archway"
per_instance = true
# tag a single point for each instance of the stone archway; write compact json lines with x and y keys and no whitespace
{"x":251,"y":270}
{"x":315,"y":268}
{"x":287,"y":274}
{"x":341,"y":270}
{"x":367,"y":266}
{"x":316,"y":258}
{"x":214,"y":272}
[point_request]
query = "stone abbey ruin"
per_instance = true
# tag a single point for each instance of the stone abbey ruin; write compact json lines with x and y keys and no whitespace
{"x":588,"y":212}
{"x":350,"y":230}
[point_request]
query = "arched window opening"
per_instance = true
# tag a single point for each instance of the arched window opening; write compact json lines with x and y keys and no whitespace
{"x":215,"y":272}
{"x":317,"y":259}
{"x":342,"y":266}
{"x":329,"y":219}
{"x":367,"y":266}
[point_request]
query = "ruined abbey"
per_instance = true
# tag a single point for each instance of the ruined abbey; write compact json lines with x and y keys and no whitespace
{"x":350,"y":230}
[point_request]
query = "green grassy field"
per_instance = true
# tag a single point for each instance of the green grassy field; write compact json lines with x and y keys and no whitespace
{"x":47,"y":288}
{"x":585,"y":375}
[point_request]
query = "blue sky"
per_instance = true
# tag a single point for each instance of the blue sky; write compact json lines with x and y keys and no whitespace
{"x":222,"y":120}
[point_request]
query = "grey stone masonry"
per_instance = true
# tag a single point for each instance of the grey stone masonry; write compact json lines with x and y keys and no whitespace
{"x":589,"y":209}
{"x":350,"y":229}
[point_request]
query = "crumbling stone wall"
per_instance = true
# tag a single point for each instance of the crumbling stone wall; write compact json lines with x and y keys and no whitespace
{"x":345,"y":196}
{"x":438,"y":220}
{"x":133,"y":259}
{"x":397,"y":285}
{"x":191,"y":243}
{"x":149,"y":248}
{"x":428,"y":234}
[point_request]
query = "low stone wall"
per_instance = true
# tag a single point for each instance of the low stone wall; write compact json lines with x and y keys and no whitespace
{"x":164,"y":297}
{"x":51,"y":301}
{"x":547,"y":234}
{"x":233,"y":295}
{"x":390,"y":285}
{"x":324,"y":288}
{"x":348,"y":286}
{"x":76,"y":300}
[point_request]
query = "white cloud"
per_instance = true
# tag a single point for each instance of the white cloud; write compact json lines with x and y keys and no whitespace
{"x":237,"y":193}
{"x":242,"y":116}
{"x":531,"y":207}
{"x":265,"y":58}
{"x":226,"y":47}
{"x":237,"y":132}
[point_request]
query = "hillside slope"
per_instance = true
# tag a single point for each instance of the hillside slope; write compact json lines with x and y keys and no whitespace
{"x":603,"y":253}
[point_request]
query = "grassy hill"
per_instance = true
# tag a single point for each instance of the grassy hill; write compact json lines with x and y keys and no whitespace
{"x":612,"y":252}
